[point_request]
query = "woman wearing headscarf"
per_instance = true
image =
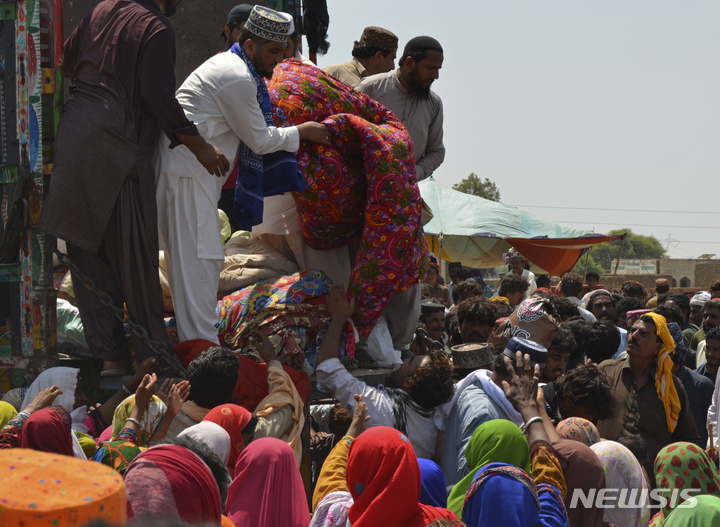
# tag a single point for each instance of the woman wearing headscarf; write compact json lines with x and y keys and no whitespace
{"x":7,"y":412}
{"x":71,"y":398}
{"x":433,"y":487}
{"x":496,"y":441}
{"x":624,"y":472}
{"x":267,"y":490}
{"x":684,"y":466}
{"x":136,"y":431}
{"x":383,"y":477}
{"x":234,"y":419}
{"x":172,"y":481}
{"x":41,"y":426}
{"x":583,"y":473}
{"x":706,"y":512}
{"x":372,"y":478}
{"x":503,"y":493}
{"x":579,"y":429}
{"x":213,"y":435}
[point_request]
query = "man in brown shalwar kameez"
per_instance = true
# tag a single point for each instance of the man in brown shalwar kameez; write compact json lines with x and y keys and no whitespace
{"x":121,"y":62}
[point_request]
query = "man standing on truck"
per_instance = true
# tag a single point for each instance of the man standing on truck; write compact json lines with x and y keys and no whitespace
{"x":121,"y":64}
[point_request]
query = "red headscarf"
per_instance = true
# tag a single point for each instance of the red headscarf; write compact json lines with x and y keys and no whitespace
{"x":267,"y":490}
{"x":172,"y":481}
{"x":383,"y":476}
{"x":233,"y":419}
{"x":48,"y":430}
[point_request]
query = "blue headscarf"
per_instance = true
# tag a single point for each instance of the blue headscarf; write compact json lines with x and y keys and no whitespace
{"x":501,"y":494}
{"x":433,"y":488}
{"x":259,"y":175}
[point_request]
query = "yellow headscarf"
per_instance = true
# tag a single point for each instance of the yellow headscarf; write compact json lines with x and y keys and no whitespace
{"x":501,"y":299}
{"x":663,"y":378}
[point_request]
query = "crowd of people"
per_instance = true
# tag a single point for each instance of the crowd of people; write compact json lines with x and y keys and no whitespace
{"x":278,"y":220}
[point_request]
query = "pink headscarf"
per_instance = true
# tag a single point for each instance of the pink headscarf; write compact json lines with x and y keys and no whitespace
{"x":267,"y":490}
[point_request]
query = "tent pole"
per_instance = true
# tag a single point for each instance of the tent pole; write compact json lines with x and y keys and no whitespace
{"x":587,"y":259}
{"x":617,"y":264}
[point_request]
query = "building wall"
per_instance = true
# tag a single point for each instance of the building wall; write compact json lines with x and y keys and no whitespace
{"x":706,"y":272}
{"x":679,"y":268}
{"x":198,"y":25}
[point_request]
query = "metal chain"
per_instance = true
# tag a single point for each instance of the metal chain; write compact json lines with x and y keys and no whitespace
{"x":159,"y":350}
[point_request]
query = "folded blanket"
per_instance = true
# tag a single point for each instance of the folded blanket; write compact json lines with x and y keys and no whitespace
{"x":247,"y":261}
{"x":363,"y":186}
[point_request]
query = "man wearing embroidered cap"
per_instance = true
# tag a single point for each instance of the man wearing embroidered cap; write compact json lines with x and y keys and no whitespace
{"x":228,"y":100}
{"x":652,"y":402}
{"x":374,"y":53}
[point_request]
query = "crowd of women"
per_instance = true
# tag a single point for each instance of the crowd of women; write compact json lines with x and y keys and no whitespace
{"x":213,"y":473}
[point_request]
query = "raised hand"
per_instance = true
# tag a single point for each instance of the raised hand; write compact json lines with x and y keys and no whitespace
{"x":338,"y":305}
{"x":144,"y":392}
{"x":44,"y":399}
{"x":164,"y":390}
{"x":522,"y":389}
{"x":176,"y":398}
{"x":263,"y":346}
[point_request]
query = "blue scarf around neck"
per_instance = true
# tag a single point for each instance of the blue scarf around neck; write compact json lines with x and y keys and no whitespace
{"x":261,"y":175}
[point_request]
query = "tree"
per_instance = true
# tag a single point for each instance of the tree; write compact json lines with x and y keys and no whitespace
{"x":592,"y":266}
{"x":477,"y":187}
{"x":637,"y":246}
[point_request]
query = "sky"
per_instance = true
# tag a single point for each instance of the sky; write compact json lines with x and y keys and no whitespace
{"x":590,"y":114}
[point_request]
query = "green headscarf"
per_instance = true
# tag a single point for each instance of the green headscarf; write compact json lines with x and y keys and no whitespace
{"x":684,"y":466}
{"x":149,"y":422}
{"x":496,"y":441}
{"x":7,"y":413}
{"x":704,"y":514}
{"x":87,"y":444}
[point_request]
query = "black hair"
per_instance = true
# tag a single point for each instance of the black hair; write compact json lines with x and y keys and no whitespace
{"x":594,"y":275}
{"x":631,"y":287}
{"x":672,"y":313}
{"x":213,"y":462}
{"x":715,"y":286}
{"x":468,"y":287}
{"x":232,"y":26}
{"x":513,"y":284}
{"x":477,"y":310}
{"x":542,"y":280}
{"x":503,"y":310}
{"x":662,"y":288}
{"x":366,"y":51}
{"x":680,"y":300}
{"x":571,"y":284}
{"x":500,"y":368}
{"x":712,"y":334}
{"x":595,"y":296}
{"x":213,"y":376}
{"x":452,"y":265}
{"x":626,"y":304}
{"x":564,"y":307}
{"x":601,"y":342}
{"x":588,"y":386}
{"x":579,"y":327}
{"x":711,"y":304}
{"x":636,"y":445}
{"x":465,"y":274}
{"x":418,"y":48}
{"x":432,"y":385}
{"x":564,"y":341}
{"x":246,"y":35}
{"x":452,"y":326}
{"x":250,"y":426}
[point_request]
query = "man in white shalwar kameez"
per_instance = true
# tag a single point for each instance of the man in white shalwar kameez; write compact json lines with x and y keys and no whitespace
{"x":220,"y":97}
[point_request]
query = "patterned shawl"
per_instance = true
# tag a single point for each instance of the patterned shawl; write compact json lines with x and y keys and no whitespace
{"x":363,"y":187}
{"x":663,"y":377}
{"x":149,"y":422}
{"x":579,"y":429}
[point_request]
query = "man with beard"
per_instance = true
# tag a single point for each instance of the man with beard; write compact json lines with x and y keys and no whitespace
{"x":432,"y":315}
{"x":222,"y":96}
{"x":711,"y":319}
{"x":476,"y":318}
{"x":601,"y":305}
{"x":374,"y":53}
{"x":406,"y":92}
{"x":121,"y":64}
{"x":652,"y":402}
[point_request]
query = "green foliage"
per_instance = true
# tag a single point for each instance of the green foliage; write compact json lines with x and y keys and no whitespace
{"x":592,"y":266}
{"x":477,"y":187}
{"x":637,"y":246}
